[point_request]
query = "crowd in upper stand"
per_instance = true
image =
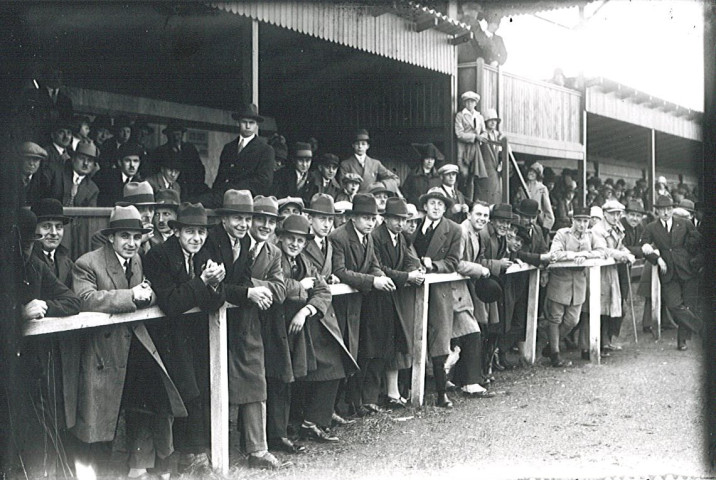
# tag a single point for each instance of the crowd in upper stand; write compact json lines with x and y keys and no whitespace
{"x":286,"y":224}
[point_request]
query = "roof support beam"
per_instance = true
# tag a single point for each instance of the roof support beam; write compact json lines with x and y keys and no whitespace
{"x":425,"y":24}
{"x":460,"y":39}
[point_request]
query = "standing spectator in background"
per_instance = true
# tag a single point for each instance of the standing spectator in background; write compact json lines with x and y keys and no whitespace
{"x":661,"y":188}
{"x":182,"y":156}
{"x":60,"y":148}
{"x":165,"y":211}
{"x":111,"y":181}
{"x":80,"y":131}
{"x":469,"y":125}
{"x":564,"y":209}
{"x":72,"y":184}
{"x":278,"y":143}
{"x":459,"y":208}
{"x":324,"y":177}
{"x":292,"y":180}
{"x":52,"y":97}
{"x":381,"y":195}
{"x":369,"y":169}
{"x":170,"y":169}
{"x":490,"y":186}
{"x":539,"y":193}
{"x":248,"y":162}
{"x":425,"y":176}
{"x":140,"y":131}
{"x":351,"y":184}
{"x":101,"y":133}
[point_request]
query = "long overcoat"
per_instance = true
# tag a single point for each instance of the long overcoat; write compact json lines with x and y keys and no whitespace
{"x":100,"y":282}
{"x":610,"y":240}
{"x":250,"y":169}
{"x":469,"y":156}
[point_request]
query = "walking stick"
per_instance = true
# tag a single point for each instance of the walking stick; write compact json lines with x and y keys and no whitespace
{"x":631,"y":302}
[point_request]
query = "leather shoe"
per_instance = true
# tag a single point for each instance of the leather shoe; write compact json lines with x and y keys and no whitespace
{"x":283,"y":444}
{"x":681,"y":345}
{"x":316,"y":433}
{"x":358,"y":411}
{"x":546,"y":351}
{"x":497,"y":364}
{"x":338,"y":420}
{"x":266,"y":462}
{"x":373,"y":408}
{"x":558,"y":362}
{"x":482,"y":394}
{"x":444,"y":401}
{"x":395,"y":403}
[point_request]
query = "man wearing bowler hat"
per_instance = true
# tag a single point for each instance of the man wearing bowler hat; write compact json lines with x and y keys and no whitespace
{"x":324,"y":177}
{"x":182,"y":156}
{"x":72,"y":183}
{"x":248,"y":162}
{"x":664,"y":244}
{"x":183,"y":277}
{"x":230,"y":245}
{"x":51,"y":223}
{"x":355,"y":263}
{"x":370,"y":169}
{"x":292,"y":180}
{"x":120,"y":366}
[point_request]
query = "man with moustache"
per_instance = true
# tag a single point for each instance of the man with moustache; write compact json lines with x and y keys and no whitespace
{"x":230,"y":245}
{"x":111,"y":181}
{"x":165,"y":210}
{"x":355,"y":263}
{"x":59,"y":150}
{"x":183,"y":277}
{"x":72,"y":184}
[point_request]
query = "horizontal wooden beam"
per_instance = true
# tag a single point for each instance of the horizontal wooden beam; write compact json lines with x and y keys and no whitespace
{"x":460,"y":39}
{"x":425,"y":24}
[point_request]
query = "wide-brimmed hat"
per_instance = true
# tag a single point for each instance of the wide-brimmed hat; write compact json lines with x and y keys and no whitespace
{"x":396,"y":207}
{"x":437,"y":193}
{"x":361,"y":134}
{"x":528,"y":208}
{"x":296,"y":224}
{"x":428,"y":150}
{"x":351,"y":177}
{"x":167,"y":198}
{"x":613,"y":206}
{"x":501,"y":211}
{"x":448,"y":168}
{"x":687,"y":205}
{"x":413,"y":213}
{"x":343,"y":206}
{"x":470,"y":95}
{"x":596,"y":211}
{"x":138,"y":194}
{"x":32,"y":150}
{"x":174,"y":126}
{"x":635,"y":206}
{"x":329,"y":159}
{"x":125,"y":218}
{"x":102,"y":122}
{"x":363,"y":204}
{"x":267,"y":206}
{"x":664,"y":201}
{"x":283,"y":202}
{"x":248,"y":111}
{"x":581,"y":212}
{"x":322,"y":204}
{"x":302,"y":150}
{"x":190,"y":215}
{"x":488,"y":289}
{"x":26,"y":224}
{"x":236,"y":201}
{"x":130,"y":149}
{"x":87,"y":148}
{"x":491,"y":114}
{"x":379,"y":187}
{"x":50,"y":209}
{"x":169,"y":159}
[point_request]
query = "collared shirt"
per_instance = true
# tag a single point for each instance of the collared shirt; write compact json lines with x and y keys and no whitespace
{"x":361,"y":159}
{"x":256,"y":246}
{"x":125,"y":178}
{"x":319,"y":241}
{"x":449,"y":190}
{"x":245,"y":140}
{"x":167,"y":183}
{"x":122,"y":261}
{"x":60,"y":150}
{"x":668,"y":224}
{"x":187,"y":258}
{"x":77,"y":179}
{"x":166,"y":236}
{"x":50,"y":254}
{"x":393,"y":238}
{"x":427,"y":224}
{"x":361,"y":236}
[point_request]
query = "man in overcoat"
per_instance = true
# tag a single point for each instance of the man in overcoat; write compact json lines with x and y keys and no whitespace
{"x":120,"y":367}
{"x":182,"y":156}
{"x":229,"y":244}
{"x":183,"y":277}
{"x":448,"y":176}
{"x":247,"y":162}
{"x":72,"y":183}
{"x":355,"y":264}
{"x":51,"y":223}
{"x":469,"y":128}
{"x":369,"y":169}
{"x":293,"y":179}
{"x":111,"y":181}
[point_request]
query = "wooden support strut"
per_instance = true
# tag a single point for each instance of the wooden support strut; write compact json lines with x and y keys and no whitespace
{"x":219,"y":387}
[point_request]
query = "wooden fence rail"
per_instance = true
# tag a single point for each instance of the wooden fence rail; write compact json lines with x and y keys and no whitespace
{"x":218,"y":349}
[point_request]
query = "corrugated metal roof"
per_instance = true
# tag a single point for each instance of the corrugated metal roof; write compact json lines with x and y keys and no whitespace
{"x":389,"y":32}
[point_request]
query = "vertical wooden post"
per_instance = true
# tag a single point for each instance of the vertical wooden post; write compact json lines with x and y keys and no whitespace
{"x":594,"y":278}
{"x":250,"y":62}
{"x":506,"y":165}
{"x":255,"y":62}
{"x":532,"y":307}
{"x":582,"y":167}
{"x":656,"y":300}
{"x":651,"y":177}
{"x":420,"y":345}
{"x":219,"y":384}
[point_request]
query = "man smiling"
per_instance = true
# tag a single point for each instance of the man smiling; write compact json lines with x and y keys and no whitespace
{"x":51,"y":223}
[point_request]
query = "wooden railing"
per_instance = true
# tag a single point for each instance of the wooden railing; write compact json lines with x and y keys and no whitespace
{"x":218,"y":349}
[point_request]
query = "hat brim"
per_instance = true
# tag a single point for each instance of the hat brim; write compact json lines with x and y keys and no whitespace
{"x":582,"y":216}
{"x":167,"y":130}
{"x":351,"y":211}
{"x":178,"y":224}
{"x":525,"y":214}
{"x":139,"y":204}
{"x":107,"y":231}
{"x":390,"y":193}
{"x":266,"y":214}
{"x":319,"y":212}
{"x":172,"y":206}
{"x":281,"y":231}
{"x":232,"y":211}
{"x":65,"y":220}
{"x":399,"y":215}
{"x":427,"y":196}
{"x":239,"y":116}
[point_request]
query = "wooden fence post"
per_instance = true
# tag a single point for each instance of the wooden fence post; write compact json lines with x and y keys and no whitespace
{"x":420,"y":345}
{"x":219,"y":384}
{"x":595,"y":292}
{"x":656,"y":300}
{"x":532,"y":310}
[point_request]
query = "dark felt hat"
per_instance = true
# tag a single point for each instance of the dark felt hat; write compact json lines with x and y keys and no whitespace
{"x":121,"y":122}
{"x":167,"y":198}
{"x":329,"y":159}
{"x":102,"y":122}
{"x":248,"y":111}
{"x":26,"y":224}
{"x":379,"y":187}
{"x":296,"y":224}
{"x":130,"y":149}
{"x":528,"y":208}
{"x":582,"y":212}
{"x":50,"y":209}
{"x":396,"y":207}
{"x":142,"y":125}
{"x":501,"y":211}
{"x":321,"y":204}
{"x":67,"y":123}
{"x":169,"y":159}
{"x":361,"y":134}
{"x":302,"y":150}
{"x":363,"y":204}
{"x":664,"y":201}
{"x":236,"y":201}
{"x":635,"y":206}
{"x":428,"y":150}
{"x":125,"y":218}
{"x":438,"y":193}
{"x":190,"y":215}
{"x":174,"y":126}
{"x":488,"y":289}
{"x":267,"y":206}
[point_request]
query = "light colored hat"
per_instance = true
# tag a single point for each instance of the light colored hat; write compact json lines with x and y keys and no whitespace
{"x":283,"y":202}
{"x":267,"y":206}
{"x":682,"y":212}
{"x":342,"y":206}
{"x":538,"y":168}
{"x":596,"y":212}
{"x":125,"y":218}
{"x":470,"y":95}
{"x":351,"y":177}
{"x":491,"y":114}
{"x":236,"y":201}
{"x":613,"y":206}
{"x":437,"y":193}
{"x":87,"y":148}
{"x":32,"y":150}
{"x":413,"y":212}
{"x":448,"y":168}
{"x":138,"y":194}
{"x":661,"y":179}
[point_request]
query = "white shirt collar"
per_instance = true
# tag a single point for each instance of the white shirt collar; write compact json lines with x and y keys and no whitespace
{"x":77,"y":178}
{"x":60,"y":150}
{"x":50,"y":253}
{"x":360,"y":235}
{"x":246,"y":140}
{"x":122,"y":261}
{"x":124,"y":178}
{"x":361,"y":158}
{"x":393,"y":237}
{"x":427,"y":223}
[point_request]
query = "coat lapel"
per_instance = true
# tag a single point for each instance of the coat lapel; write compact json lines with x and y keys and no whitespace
{"x":115,"y":270}
{"x":438,"y":239}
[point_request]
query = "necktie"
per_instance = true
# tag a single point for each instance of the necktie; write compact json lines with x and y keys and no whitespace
{"x":190,"y":264}
{"x":50,"y":258}
{"x":666,"y":226}
{"x":324,"y":248}
{"x":129,"y":179}
{"x":294,"y":268}
{"x":128,"y":272}
{"x":429,"y":230}
{"x":75,"y":188}
{"x":252,"y":254}
{"x":301,"y":182}
{"x":241,"y":145}
{"x":65,"y":156}
{"x":365,"y":242}
{"x":236,"y":249}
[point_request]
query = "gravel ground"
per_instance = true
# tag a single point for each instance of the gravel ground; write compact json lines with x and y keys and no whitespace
{"x":639,"y":414}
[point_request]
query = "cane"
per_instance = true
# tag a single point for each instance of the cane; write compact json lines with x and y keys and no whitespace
{"x":631,"y":303}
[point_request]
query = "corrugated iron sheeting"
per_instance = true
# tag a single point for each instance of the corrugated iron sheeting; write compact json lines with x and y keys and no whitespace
{"x":353,"y":26}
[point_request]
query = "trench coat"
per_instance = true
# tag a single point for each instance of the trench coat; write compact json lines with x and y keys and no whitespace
{"x":469,"y":157}
{"x":356,"y":267}
{"x":99,"y":281}
{"x":251,"y":169}
{"x":247,"y":379}
{"x":610,"y":240}
{"x":182,"y":340}
{"x":568,"y":286}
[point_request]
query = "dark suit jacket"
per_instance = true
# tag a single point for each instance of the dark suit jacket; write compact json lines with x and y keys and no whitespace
{"x":63,"y":263}
{"x":60,"y":108}
{"x":40,"y":185}
{"x":54,"y":157}
{"x":632,"y":238}
{"x":672,"y":246}
{"x":458,"y":198}
{"x":284,"y":185}
{"x":252,"y":169}
{"x":193,"y":172}
{"x":333,"y":188}
{"x":111,"y":187}
{"x":87,"y":191}
{"x":324,"y":265}
{"x":417,"y":183}
{"x":372,"y":172}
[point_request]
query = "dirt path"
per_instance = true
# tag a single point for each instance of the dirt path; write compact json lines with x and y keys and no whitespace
{"x":638,"y":414}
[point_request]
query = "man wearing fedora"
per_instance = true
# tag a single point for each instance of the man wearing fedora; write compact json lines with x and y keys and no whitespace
{"x":168,"y":175}
{"x":381,"y":194}
{"x":535,"y":251}
{"x":165,"y":210}
{"x":111,"y":181}
{"x":183,"y":156}
{"x":425,"y":175}
{"x":324,"y":177}
{"x":448,"y":183}
{"x":313,"y":332}
{"x":438,"y":244}
{"x":292,"y":180}
{"x":183,"y":277}
{"x":370,"y":169}
{"x":321,"y":214}
{"x":355,"y":263}
{"x":387,"y":318}
{"x":246,"y":163}
{"x":664,"y":244}
{"x":567,"y":287}
{"x":469,"y":126}
{"x":120,"y":366}
{"x":51,"y":223}
{"x":72,"y":184}
{"x":230,"y":245}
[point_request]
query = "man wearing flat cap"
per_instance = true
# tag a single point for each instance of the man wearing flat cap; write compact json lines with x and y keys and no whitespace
{"x":324,"y":177}
{"x":370,"y":169}
{"x":72,"y":184}
{"x":292,"y":180}
{"x":35,"y":173}
{"x":183,"y":277}
{"x":448,"y":177}
{"x":469,"y":127}
{"x":246,"y":163}
{"x":182,"y":156}
{"x":111,"y":181}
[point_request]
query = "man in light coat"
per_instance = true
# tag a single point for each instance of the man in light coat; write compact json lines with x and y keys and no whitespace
{"x":369,"y":169}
